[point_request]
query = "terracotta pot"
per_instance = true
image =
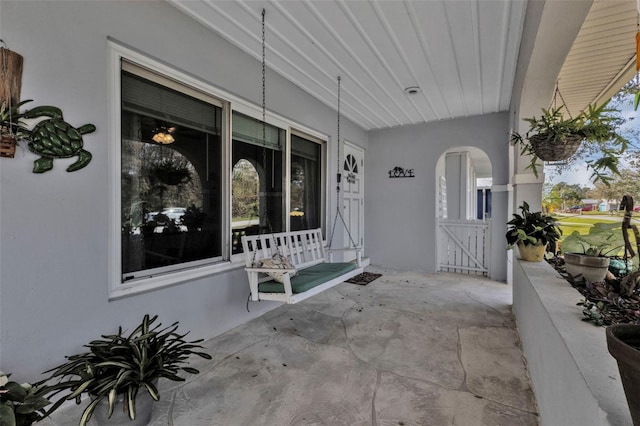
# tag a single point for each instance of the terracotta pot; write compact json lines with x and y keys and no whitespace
{"x":623,"y":341}
{"x":532,"y":253}
{"x":591,"y":268}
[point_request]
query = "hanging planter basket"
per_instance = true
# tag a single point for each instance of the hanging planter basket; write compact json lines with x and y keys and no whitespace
{"x":175,"y":176}
{"x":548,"y":149}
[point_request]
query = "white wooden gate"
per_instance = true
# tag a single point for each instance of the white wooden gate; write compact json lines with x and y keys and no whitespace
{"x":464,"y":246}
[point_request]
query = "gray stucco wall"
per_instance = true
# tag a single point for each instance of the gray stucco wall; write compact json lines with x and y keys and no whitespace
{"x":54,"y":227}
{"x":401,"y":213}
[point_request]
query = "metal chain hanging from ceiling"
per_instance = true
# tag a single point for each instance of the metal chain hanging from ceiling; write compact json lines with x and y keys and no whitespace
{"x":339,"y":177}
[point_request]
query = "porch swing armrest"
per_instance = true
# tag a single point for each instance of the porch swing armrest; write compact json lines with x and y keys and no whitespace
{"x":265,"y":270}
{"x":358,"y":251}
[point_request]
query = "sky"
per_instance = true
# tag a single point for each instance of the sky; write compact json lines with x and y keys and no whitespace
{"x":579,"y":174}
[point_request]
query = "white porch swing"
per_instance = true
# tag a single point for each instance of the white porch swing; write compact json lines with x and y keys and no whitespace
{"x":292,"y":266}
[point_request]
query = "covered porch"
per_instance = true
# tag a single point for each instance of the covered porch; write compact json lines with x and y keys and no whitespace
{"x":471,"y":70}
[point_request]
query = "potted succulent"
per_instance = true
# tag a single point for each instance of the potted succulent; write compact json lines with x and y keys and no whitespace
{"x":588,"y":255}
{"x":532,"y":232}
{"x":554,"y":137}
{"x":21,"y":404}
{"x":126,"y":368}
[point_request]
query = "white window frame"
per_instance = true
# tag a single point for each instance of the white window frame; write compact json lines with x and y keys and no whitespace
{"x":117,"y":53}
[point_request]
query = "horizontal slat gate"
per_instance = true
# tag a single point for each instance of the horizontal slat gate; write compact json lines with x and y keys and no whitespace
{"x":464,"y":246}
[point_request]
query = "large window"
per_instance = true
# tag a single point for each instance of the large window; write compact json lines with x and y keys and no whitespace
{"x":258,"y":173}
{"x":172,"y":182}
{"x":196,"y":169}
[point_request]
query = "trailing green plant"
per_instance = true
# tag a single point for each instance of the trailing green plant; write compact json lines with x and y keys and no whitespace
{"x":603,"y":240}
{"x":21,"y":404}
{"x":597,"y":126}
{"x":121,"y":364}
{"x":531,"y":228}
{"x":594,"y":312}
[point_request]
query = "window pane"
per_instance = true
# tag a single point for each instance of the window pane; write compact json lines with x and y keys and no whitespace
{"x":257,"y":190}
{"x":305,"y":183}
{"x":171,"y":179}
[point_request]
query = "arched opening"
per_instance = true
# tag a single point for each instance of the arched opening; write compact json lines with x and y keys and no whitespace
{"x":463,"y":211}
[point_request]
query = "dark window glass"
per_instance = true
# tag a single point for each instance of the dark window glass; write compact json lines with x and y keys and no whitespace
{"x":305,"y":184}
{"x":171,"y":184}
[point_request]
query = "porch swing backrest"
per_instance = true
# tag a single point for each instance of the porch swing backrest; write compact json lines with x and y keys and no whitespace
{"x":302,"y":248}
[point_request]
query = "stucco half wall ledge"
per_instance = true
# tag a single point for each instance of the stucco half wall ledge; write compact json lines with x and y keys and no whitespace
{"x":575,"y":379}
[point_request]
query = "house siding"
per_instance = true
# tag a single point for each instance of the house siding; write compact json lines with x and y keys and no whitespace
{"x":54,"y":267}
{"x":401,"y":213}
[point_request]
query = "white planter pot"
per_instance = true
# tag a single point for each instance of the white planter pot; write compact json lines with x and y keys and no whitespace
{"x":591,"y":268}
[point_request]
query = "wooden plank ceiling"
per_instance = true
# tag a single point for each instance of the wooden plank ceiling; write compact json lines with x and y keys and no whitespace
{"x":461,"y":54}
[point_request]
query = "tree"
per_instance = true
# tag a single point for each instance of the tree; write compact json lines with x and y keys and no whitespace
{"x":246,"y":189}
{"x":627,"y":184}
{"x":563,"y":195}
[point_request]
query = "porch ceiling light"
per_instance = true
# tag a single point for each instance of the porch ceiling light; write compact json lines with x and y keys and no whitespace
{"x":164,"y":135}
{"x":412,"y":90}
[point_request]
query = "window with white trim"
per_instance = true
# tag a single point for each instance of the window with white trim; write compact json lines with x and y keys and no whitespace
{"x":172,"y":192}
{"x":195,"y":172}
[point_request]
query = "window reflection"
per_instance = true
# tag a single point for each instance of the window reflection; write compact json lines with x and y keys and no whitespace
{"x":170,"y":192}
{"x":305,"y":184}
{"x":259,"y":166}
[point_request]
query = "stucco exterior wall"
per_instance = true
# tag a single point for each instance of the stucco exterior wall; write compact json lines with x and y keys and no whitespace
{"x":54,"y":227}
{"x":401,"y":213}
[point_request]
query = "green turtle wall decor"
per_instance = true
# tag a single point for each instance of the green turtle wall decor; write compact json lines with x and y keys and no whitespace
{"x":55,"y":138}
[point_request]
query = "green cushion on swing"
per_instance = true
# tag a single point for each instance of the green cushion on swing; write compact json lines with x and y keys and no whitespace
{"x":309,"y":278}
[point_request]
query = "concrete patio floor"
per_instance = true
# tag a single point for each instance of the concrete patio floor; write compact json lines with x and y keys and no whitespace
{"x":407,"y":349}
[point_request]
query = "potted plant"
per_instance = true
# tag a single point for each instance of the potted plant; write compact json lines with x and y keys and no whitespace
{"x":588,"y":255}
{"x":12,"y":128}
{"x":531,"y":232}
{"x":21,"y":404}
{"x":193,"y":218}
{"x":554,"y":137}
{"x":623,"y":342}
{"x":125,"y":367}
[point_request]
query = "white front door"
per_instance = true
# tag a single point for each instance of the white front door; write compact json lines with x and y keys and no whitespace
{"x":353,"y":195}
